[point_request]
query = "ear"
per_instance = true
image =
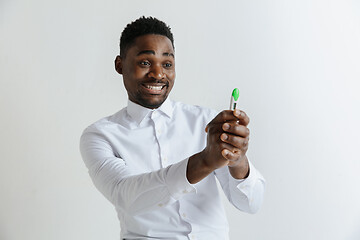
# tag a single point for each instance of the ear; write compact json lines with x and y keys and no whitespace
{"x":118,"y":64}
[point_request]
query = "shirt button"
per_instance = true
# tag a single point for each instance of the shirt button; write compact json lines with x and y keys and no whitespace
{"x":184,"y":215}
{"x":160,"y":204}
{"x":192,"y":236}
{"x":158,"y":131}
{"x":185,"y":191}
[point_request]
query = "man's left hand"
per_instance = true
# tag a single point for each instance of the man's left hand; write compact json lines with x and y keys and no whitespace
{"x":234,"y":132}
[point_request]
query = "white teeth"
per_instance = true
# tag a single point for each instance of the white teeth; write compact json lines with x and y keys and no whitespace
{"x":154,"y":87}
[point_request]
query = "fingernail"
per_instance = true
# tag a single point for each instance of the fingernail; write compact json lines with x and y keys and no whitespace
{"x":237,"y":112}
{"x":226,"y":126}
{"x":224,"y":136}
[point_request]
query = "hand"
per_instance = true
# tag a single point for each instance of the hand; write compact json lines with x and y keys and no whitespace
{"x":227,"y":143}
{"x":228,"y":138}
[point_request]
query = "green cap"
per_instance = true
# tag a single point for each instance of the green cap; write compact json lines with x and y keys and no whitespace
{"x":235,"y":94}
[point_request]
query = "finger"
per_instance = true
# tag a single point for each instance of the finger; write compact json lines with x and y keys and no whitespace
{"x":229,"y":115}
{"x":235,"y":141}
{"x":226,"y":115}
{"x":242,"y":117}
{"x":236,"y":129}
{"x":236,"y":116}
{"x":231,"y":155}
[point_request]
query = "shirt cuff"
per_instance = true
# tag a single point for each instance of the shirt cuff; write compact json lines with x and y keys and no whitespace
{"x":176,"y":180}
{"x":246,"y":185}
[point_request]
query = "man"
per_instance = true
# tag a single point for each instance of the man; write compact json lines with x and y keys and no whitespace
{"x":156,"y":160}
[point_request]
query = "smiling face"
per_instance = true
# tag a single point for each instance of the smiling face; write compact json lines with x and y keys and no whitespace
{"x":148,"y":70}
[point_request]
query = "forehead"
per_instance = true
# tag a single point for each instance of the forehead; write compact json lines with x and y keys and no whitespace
{"x":153,"y":42}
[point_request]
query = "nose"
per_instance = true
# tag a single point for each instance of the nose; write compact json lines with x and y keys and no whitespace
{"x":156,"y":72}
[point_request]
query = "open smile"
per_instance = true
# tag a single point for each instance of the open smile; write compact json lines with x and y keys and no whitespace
{"x":154,"y":88}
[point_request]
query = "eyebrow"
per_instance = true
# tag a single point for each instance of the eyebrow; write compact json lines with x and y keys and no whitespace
{"x":151,"y":52}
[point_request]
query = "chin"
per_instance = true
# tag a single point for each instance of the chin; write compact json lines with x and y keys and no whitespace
{"x":151,"y":104}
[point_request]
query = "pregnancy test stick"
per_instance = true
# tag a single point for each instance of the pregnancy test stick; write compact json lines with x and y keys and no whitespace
{"x":234,"y":99}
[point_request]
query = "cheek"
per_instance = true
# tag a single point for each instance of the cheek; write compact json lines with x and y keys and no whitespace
{"x":171,"y":75}
{"x":135,"y":73}
{"x":140,"y":72}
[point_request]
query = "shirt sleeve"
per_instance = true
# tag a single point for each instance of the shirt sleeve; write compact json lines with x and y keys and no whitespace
{"x":245,"y":194}
{"x":134,"y":194}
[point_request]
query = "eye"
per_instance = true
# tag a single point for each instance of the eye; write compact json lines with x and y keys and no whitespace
{"x":145,"y":63}
{"x":168,"y":65}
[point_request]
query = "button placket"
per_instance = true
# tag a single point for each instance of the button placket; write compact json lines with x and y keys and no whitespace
{"x":160,"y":130}
{"x":157,"y":123}
{"x":156,"y":119}
{"x":164,"y":160}
{"x":186,"y":216}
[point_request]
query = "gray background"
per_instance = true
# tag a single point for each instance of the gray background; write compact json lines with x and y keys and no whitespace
{"x":296,"y":64}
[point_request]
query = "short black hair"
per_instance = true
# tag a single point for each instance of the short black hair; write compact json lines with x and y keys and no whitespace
{"x":143,"y":26}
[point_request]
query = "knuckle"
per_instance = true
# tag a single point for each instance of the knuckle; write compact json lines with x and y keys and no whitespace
{"x":236,"y":141}
{"x":211,"y":128}
{"x":222,"y":114}
{"x":241,"y":128}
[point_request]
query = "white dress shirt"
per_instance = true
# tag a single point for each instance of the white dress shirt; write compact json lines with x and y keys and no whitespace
{"x":137,"y":159}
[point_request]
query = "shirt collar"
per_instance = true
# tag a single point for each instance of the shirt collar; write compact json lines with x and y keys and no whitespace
{"x":138,"y":112}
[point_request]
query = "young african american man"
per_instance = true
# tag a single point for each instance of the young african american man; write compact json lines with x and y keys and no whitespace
{"x":157,"y":160}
